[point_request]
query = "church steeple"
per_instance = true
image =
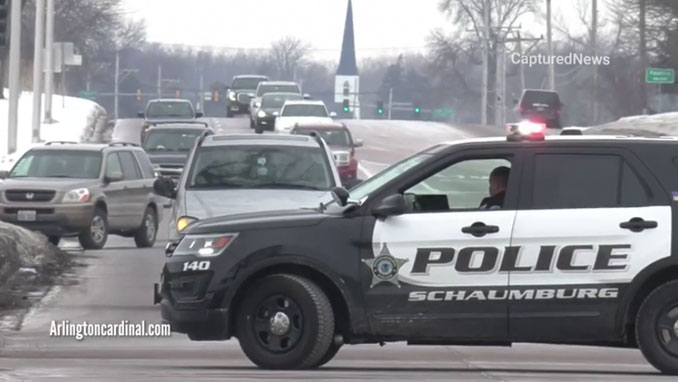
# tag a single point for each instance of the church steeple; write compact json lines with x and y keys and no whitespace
{"x":347,"y":63}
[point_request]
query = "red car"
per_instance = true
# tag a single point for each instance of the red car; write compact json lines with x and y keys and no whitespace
{"x":338,"y":138}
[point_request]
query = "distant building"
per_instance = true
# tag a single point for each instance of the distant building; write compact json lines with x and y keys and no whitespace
{"x":347,"y":80}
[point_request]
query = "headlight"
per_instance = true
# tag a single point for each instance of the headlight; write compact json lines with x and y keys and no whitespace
{"x":184,"y":222}
{"x":231,"y":96}
{"x":261,"y":114}
{"x":342,"y":158}
{"x":204,"y":245}
{"x":80,"y":195}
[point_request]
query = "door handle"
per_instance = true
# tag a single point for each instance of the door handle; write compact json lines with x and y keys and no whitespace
{"x":638,"y":224}
{"x":479,"y":229}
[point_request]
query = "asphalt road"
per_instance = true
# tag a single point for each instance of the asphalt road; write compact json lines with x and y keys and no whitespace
{"x":115,"y":284}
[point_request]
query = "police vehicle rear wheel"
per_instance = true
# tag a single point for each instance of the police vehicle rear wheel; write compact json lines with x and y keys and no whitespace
{"x":657,"y":328}
{"x":285,"y":322}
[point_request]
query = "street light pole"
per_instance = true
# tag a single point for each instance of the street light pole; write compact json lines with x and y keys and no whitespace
{"x":14,"y":75}
{"x":49,"y":61}
{"x":37,"y":66}
{"x":117,"y":83}
{"x":549,"y":41}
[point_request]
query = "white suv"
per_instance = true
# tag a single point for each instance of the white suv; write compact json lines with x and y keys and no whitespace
{"x":294,"y":112}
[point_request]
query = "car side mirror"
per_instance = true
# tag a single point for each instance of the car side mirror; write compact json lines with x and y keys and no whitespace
{"x":276,"y":113}
{"x":199,"y":114}
{"x":333,"y":115}
{"x":165,"y":187}
{"x":113,"y":177}
{"x":340,"y":195}
{"x":392,"y":205}
{"x":307,"y":96}
{"x":141,"y":114}
{"x":4,"y":174}
{"x":358,"y":143}
{"x":353,"y":183}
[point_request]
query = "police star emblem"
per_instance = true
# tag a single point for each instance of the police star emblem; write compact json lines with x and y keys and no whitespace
{"x":384,"y":267}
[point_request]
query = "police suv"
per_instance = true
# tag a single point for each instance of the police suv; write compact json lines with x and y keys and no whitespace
{"x":579,"y":251}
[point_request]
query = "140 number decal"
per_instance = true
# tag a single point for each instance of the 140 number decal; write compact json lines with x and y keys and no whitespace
{"x":196,"y":266}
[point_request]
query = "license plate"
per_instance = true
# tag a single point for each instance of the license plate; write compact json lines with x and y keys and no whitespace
{"x":27,"y":216}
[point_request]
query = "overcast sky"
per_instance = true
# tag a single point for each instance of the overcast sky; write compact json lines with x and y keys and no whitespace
{"x":381,"y":26}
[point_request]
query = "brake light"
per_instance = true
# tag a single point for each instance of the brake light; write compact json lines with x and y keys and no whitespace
{"x":531,"y":128}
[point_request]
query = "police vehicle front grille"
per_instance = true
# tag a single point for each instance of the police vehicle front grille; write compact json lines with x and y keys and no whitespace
{"x":188,"y":287}
{"x":29,"y":195}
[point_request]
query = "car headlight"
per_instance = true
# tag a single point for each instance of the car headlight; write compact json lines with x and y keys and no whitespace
{"x":261,"y":114}
{"x":80,"y":195}
{"x":342,"y":158}
{"x":231,"y":96}
{"x":184,"y":222}
{"x":204,"y":245}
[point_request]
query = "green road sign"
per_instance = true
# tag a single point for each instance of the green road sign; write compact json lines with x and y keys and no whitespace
{"x":660,"y":76}
{"x":87,"y":95}
{"x":443,"y":114}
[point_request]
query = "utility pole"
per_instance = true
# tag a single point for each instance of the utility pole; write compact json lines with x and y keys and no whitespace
{"x":14,"y":75}
{"x":49,"y":61}
{"x":37,"y":66}
{"x":486,"y":59}
{"x":549,"y":42}
{"x":63,"y":77}
{"x":160,"y":81}
{"x":390,"y":102}
{"x":117,"y":84}
{"x":643,"y":57}
{"x":500,"y":105}
{"x":522,"y":67}
{"x":594,"y":32}
{"x":201,"y":96}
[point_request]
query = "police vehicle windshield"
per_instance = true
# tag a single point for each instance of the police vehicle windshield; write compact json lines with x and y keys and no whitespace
{"x":260,"y":167}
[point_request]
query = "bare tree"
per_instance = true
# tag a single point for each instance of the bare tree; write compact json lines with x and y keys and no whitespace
{"x":287,"y":54}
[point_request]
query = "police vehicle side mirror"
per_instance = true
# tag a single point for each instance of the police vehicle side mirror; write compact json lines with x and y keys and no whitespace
{"x":333,"y":115}
{"x":391,"y":206}
{"x":165,"y":187}
{"x":340,"y":195}
{"x":276,"y":113}
{"x":358,"y":143}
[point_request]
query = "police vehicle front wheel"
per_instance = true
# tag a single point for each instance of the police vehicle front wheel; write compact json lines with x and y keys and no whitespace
{"x":285,"y":322}
{"x":657,"y":328}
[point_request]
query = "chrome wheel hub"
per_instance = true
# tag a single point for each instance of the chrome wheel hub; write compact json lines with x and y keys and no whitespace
{"x":280,"y":324}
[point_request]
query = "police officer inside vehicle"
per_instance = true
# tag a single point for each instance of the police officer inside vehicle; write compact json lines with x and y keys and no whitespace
{"x":498,"y":181}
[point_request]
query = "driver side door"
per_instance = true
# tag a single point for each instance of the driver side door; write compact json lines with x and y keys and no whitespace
{"x":437,"y":271}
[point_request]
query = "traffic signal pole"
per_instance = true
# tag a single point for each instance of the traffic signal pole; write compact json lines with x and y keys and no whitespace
{"x":14,"y":75}
{"x":390,"y":102}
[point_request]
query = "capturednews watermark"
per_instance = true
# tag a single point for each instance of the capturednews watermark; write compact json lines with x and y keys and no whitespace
{"x":569,"y":59}
{"x":122,"y":329}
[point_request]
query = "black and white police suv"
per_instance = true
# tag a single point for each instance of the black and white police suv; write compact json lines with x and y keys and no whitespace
{"x":581,"y":249}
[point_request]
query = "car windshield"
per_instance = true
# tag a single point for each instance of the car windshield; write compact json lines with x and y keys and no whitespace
{"x":171,"y":140}
{"x":333,"y":137}
{"x":58,"y":164}
{"x":304,"y":111}
{"x":264,"y":89}
{"x":246,"y":83}
{"x":261,"y":167}
{"x":170,"y":110}
{"x":276,"y":101}
{"x":546,"y":98}
{"x":377,"y":181}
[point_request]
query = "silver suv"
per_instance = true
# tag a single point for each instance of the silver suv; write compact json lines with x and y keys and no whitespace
{"x":230,"y":174}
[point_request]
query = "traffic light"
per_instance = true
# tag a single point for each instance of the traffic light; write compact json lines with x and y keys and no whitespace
{"x":417,"y":112}
{"x":380,"y":108}
{"x":4,"y":18}
{"x":347,"y":108}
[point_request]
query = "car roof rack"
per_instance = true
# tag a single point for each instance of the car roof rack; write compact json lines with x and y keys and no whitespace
{"x":120,"y":143}
{"x":50,"y":143}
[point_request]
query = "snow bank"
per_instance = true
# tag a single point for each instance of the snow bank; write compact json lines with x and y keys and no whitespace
{"x":77,"y":119}
{"x":657,"y":124}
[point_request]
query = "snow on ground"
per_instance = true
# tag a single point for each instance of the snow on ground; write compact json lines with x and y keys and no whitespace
{"x":73,"y":116}
{"x":659,"y":124}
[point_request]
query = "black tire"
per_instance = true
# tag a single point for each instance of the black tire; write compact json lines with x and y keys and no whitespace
{"x":331,"y":352}
{"x":259,"y":129}
{"x":311,"y":322}
{"x":660,"y":346}
{"x":145,"y":236}
{"x":229,"y":114}
{"x":54,"y":240}
{"x":95,"y":236}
